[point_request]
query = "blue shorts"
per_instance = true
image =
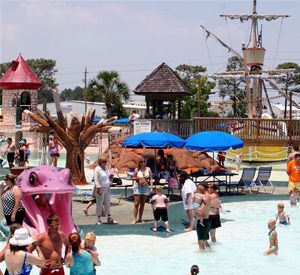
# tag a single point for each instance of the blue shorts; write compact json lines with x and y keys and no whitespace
{"x":139,"y":189}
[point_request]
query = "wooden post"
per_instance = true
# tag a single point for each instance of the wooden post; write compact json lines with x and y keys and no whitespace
{"x":290,"y":131}
{"x":147,"y":107}
{"x":179,"y":108}
{"x":174,"y":109}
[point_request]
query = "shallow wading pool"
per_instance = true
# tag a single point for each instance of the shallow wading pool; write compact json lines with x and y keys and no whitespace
{"x":242,"y":240}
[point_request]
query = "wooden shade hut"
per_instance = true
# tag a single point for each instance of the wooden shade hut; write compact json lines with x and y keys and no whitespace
{"x":163,"y":90}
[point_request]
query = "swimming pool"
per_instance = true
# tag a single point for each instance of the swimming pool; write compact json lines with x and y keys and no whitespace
{"x":242,"y":240}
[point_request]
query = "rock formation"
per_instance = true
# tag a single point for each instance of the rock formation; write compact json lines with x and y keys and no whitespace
{"x":125,"y":159}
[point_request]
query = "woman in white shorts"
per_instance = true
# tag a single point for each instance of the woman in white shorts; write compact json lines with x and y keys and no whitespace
{"x":187,"y":192}
{"x":141,"y":189}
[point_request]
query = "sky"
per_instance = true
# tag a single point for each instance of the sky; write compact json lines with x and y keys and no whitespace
{"x":134,"y":37}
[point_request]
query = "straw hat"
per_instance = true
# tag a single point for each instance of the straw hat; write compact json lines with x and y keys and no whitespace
{"x":21,"y":238}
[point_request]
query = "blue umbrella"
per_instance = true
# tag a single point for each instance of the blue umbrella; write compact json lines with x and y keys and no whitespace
{"x":122,"y":121}
{"x":154,"y":140}
{"x":213,"y":141}
{"x":96,"y":120}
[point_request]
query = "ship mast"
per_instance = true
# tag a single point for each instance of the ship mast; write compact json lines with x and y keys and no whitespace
{"x":253,"y":58}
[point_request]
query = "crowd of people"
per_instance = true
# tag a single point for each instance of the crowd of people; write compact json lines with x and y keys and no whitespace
{"x":19,"y":155}
{"x":80,"y":257}
{"x":200,"y":202}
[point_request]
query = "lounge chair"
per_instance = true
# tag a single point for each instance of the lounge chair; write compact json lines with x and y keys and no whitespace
{"x":262,"y":179}
{"x":246,"y":180}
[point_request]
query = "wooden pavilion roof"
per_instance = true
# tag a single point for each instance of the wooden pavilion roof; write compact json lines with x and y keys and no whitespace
{"x":162,"y":81}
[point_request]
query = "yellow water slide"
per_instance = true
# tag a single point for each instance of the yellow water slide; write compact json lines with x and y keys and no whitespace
{"x":260,"y":153}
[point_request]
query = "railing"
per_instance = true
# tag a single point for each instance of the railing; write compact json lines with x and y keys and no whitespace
{"x":181,"y":127}
{"x":277,"y":132}
{"x":256,"y":131}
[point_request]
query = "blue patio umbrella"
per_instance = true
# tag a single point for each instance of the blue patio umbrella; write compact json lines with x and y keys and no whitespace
{"x":213,"y":141}
{"x":122,"y":121}
{"x":154,"y":140}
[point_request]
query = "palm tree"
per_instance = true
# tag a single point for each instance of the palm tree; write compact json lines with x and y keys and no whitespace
{"x":108,"y":88}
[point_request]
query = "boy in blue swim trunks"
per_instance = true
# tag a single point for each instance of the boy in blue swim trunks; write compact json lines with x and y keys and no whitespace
{"x":282,"y":216}
{"x":273,"y":238}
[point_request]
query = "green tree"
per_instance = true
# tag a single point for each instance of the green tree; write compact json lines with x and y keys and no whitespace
{"x":232,"y":88}
{"x":45,"y":71}
{"x":108,"y":88}
{"x":3,"y":68}
{"x":72,"y":94}
{"x":119,"y":111}
{"x":291,"y":78}
{"x":197,"y":82}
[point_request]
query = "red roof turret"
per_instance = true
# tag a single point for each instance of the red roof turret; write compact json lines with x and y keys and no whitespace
{"x":19,"y":76}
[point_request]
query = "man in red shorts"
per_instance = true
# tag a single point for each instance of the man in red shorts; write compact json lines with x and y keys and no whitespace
{"x":50,"y":245}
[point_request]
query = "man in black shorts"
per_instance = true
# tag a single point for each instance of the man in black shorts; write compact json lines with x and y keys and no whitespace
{"x":203,"y":230}
{"x":10,"y":151}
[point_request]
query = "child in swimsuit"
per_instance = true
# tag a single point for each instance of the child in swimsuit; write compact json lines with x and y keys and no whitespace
{"x":198,"y":205}
{"x":294,"y":198}
{"x":160,"y":204}
{"x":89,"y":245}
{"x":282,"y":216}
{"x":273,"y":239}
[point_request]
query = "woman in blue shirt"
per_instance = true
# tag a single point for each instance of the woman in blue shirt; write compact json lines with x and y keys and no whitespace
{"x":79,"y":260}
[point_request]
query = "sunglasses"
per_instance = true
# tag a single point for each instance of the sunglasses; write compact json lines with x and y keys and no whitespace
{"x":55,"y":225}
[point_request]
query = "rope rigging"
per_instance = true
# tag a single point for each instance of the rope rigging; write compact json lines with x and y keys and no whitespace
{"x":278,"y":41}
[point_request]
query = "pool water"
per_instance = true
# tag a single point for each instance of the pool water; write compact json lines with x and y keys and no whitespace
{"x":242,"y":239}
{"x":34,"y":159}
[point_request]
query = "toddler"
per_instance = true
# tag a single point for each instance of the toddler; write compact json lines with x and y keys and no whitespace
{"x":198,"y":205}
{"x":294,"y":198}
{"x":160,"y":208}
{"x":281,"y":215}
{"x":89,"y":242}
{"x":273,"y":239}
{"x":89,"y":245}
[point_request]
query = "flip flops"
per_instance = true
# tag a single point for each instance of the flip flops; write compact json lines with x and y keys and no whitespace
{"x":111,"y":221}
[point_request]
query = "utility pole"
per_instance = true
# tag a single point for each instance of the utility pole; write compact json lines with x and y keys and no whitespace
{"x":290,"y":118}
{"x":85,"y":89}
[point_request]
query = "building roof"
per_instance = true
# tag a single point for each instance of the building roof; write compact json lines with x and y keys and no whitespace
{"x":281,"y":108}
{"x":19,"y":76}
{"x":163,"y":80}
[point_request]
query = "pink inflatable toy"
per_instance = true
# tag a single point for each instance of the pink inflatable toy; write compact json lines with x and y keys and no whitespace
{"x":46,"y":191}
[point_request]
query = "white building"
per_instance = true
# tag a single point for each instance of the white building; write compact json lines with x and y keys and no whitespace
{"x":78,"y":107}
{"x":278,"y":109}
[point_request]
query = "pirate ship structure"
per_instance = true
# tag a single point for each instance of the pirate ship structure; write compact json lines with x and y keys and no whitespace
{"x":266,"y":138}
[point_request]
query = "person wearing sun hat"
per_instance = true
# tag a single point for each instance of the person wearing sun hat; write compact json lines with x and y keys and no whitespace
{"x":18,"y":260}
